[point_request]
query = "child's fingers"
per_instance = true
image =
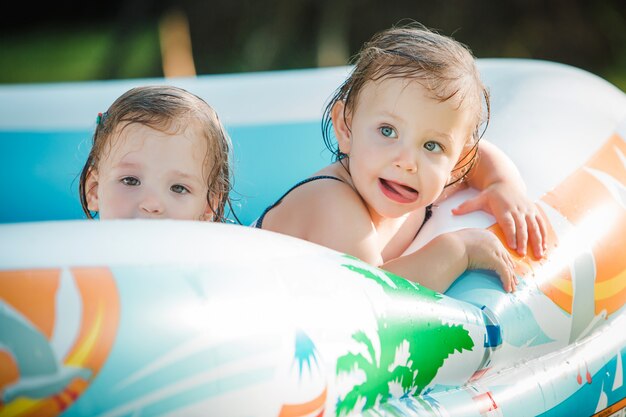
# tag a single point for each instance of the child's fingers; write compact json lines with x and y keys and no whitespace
{"x":511,"y":265}
{"x":543,"y":229}
{"x":501,"y":270}
{"x":535,"y":237}
{"x":504,"y":268}
{"x":521,"y":234}
{"x":507,"y":224}
{"x":470,"y":205}
{"x":511,"y":270}
{"x":507,"y":281}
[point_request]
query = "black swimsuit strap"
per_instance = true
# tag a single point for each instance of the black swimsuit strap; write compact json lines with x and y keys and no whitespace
{"x":259,"y":222}
{"x":427,"y":216}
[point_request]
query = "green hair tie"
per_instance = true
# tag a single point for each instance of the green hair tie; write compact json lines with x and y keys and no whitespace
{"x":101,"y":117}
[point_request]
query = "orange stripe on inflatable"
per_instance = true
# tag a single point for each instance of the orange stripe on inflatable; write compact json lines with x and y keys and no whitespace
{"x":589,"y":193}
{"x":610,"y":294}
{"x":611,"y":305}
{"x":99,"y":322}
{"x":299,"y":410}
{"x":609,"y":252}
{"x":48,"y":407}
{"x":32,"y":293}
{"x":612,"y":409}
{"x":80,"y":355}
{"x":610,"y":283}
{"x":561,"y":293}
{"x":23,"y":407}
{"x":608,"y":160}
{"x":581,"y":192}
{"x":100,"y":319}
{"x":563,"y":285}
{"x":8,"y":370}
{"x":578,"y":195}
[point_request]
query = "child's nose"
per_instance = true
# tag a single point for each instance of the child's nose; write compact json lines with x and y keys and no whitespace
{"x":151,"y":204}
{"x":406,"y":160}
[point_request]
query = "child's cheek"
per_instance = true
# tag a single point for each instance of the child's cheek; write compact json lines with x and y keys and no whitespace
{"x":120,"y":202}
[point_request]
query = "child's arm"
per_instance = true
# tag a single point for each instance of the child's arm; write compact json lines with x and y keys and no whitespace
{"x":503,"y":194}
{"x":342,"y":222}
{"x":437,"y":264}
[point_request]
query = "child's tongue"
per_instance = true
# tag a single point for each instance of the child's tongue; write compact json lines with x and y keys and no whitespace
{"x":404,"y":192}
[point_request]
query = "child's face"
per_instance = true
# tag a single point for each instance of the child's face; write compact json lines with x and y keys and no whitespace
{"x":150,"y":174}
{"x":403,"y":145}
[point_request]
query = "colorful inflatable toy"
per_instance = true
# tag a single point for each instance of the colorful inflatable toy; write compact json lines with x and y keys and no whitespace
{"x":173,"y":318}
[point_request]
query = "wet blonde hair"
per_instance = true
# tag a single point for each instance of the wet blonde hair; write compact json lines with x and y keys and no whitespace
{"x":445,"y":67}
{"x":167,"y":109}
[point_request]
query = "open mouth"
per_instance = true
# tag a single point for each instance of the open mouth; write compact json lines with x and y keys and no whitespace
{"x":397,"y":192}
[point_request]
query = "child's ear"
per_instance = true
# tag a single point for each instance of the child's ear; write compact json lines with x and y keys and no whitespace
{"x":91,"y":190}
{"x":209,"y":214}
{"x":342,"y":121}
{"x":468,"y":154}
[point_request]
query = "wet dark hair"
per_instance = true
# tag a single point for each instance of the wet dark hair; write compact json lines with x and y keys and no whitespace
{"x":445,"y":67}
{"x":167,"y":109}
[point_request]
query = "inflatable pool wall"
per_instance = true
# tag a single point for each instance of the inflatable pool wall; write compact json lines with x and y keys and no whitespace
{"x":185,"y":318}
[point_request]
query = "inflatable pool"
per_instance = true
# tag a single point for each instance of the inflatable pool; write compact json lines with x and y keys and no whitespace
{"x":174,"y":318}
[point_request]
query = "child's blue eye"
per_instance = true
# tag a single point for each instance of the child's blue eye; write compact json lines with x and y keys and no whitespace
{"x":432,"y":146}
{"x":388,"y":132}
{"x":130,"y":181}
{"x":179,"y":189}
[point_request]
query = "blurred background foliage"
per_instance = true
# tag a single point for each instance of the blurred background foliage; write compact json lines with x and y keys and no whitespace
{"x":71,"y":41}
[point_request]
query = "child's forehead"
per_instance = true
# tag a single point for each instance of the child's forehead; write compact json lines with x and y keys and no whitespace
{"x":394,"y":85}
{"x":132,"y":137}
{"x":188,"y":127}
{"x":392,"y":89}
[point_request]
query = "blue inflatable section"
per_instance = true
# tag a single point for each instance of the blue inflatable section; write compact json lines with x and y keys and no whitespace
{"x":44,"y":167}
{"x":273,"y":118}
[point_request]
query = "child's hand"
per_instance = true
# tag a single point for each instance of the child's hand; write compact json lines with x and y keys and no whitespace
{"x":485,"y":251}
{"x":517,"y":215}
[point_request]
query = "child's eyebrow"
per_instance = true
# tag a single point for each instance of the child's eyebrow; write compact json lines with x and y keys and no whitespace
{"x":442,"y":135}
{"x":390,"y":114}
{"x":126,"y":165}
{"x":186,"y":176}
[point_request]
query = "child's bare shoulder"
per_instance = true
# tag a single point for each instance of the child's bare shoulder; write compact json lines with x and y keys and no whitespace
{"x":320,"y":208}
{"x":329,"y":213}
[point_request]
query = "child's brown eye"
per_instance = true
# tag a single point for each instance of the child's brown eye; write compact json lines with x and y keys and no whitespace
{"x":179,"y":189}
{"x":130,"y":181}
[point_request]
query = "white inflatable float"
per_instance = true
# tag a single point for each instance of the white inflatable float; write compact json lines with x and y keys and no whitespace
{"x":167,"y":318}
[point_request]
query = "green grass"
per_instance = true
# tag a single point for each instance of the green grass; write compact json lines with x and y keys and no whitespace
{"x":617,"y":75}
{"x":83,"y":53}
{"x":75,"y":54}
